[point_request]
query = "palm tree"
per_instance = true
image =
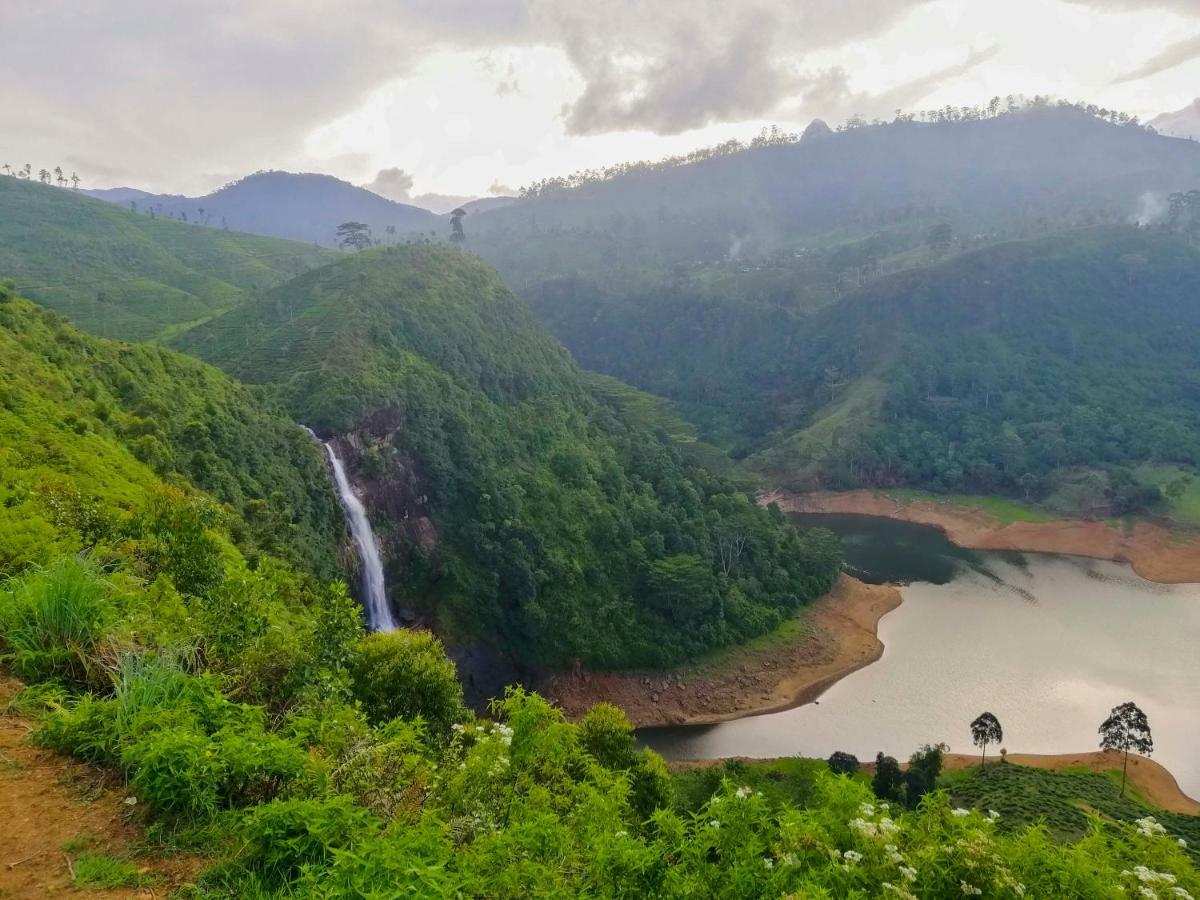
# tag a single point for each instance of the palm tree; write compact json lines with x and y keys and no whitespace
{"x":986,"y":730}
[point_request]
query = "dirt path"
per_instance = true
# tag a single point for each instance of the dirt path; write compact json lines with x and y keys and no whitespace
{"x":841,"y":639}
{"x":1157,"y":786}
{"x":1154,"y":553}
{"x":48,"y":802}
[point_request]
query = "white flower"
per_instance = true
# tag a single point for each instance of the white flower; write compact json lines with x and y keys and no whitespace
{"x":788,"y":859}
{"x":714,"y":824}
{"x":622,"y":834}
{"x":909,"y":873}
{"x":1149,"y":826}
{"x":993,"y":815}
{"x":898,"y":891}
{"x":960,"y":812}
{"x":863,"y":827}
{"x":1181,"y":842}
{"x":867,"y":809}
{"x":1149,"y":894}
{"x":743,"y":793}
{"x":853,"y":856}
{"x":1180,"y":892}
{"x":769,"y":863}
{"x":969,"y":889}
{"x":130,"y":800}
{"x":887,"y":827}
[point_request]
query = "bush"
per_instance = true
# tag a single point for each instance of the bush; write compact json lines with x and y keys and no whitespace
{"x":52,"y":620}
{"x":175,"y":771}
{"x":390,"y":775}
{"x":284,"y":836}
{"x":842,"y":763}
{"x":605,"y":733}
{"x":406,"y":674}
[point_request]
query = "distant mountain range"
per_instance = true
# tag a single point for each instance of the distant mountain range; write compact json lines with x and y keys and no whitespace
{"x":1184,"y":123}
{"x":300,"y":207}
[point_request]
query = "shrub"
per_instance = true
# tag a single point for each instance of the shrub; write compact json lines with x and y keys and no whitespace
{"x":176,"y":772}
{"x":52,"y":621}
{"x":406,"y":674}
{"x":605,"y":733}
{"x":282,"y":837}
{"x":390,"y":775}
{"x":842,"y":763}
{"x":256,"y":766}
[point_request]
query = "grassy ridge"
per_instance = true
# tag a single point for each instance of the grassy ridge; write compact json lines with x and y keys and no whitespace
{"x":125,"y":275}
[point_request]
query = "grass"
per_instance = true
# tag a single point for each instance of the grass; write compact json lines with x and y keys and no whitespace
{"x":1185,"y":508}
{"x":1061,"y":798}
{"x":105,"y":872}
{"x":789,"y":632}
{"x":1003,"y":509}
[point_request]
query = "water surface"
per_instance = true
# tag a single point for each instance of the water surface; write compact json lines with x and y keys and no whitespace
{"x":1048,"y":643}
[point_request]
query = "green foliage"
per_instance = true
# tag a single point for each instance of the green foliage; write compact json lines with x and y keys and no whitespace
{"x":74,"y":415}
{"x":569,"y":524}
{"x":283,"y":837}
{"x":842,"y":763}
{"x":405,"y":674}
{"x":123,"y":275}
{"x":52,"y":620}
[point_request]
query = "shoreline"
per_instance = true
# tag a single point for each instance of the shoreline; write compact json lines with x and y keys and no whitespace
{"x":842,"y":638}
{"x":1153,"y":552}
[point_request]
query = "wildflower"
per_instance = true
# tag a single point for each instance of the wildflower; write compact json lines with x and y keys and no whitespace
{"x":853,"y":856}
{"x":622,"y":834}
{"x":1181,"y":842}
{"x":969,"y":889}
{"x":867,"y":809}
{"x":743,"y":793}
{"x":788,"y":859}
{"x":1147,"y":893}
{"x":909,"y":873}
{"x":714,"y":824}
{"x":863,"y":827}
{"x":887,"y":827}
{"x":769,"y":863}
{"x":130,"y":801}
{"x":960,"y":812}
{"x":993,"y":815}
{"x":1149,"y":826}
{"x":898,"y":891}
{"x":1181,"y":892}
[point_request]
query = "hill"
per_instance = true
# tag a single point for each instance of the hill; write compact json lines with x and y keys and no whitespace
{"x":95,"y":434}
{"x":297,"y":206}
{"x":128,"y":276}
{"x":1044,"y":367}
{"x":517,"y":503}
{"x":1183,"y":123}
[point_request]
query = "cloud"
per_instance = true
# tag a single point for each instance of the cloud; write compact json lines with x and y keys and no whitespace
{"x":1183,"y":7}
{"x":1175,"y":55}
{"x":394,"y":183}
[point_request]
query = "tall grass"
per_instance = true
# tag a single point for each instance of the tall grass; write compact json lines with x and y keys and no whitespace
{"x":52,"y":619}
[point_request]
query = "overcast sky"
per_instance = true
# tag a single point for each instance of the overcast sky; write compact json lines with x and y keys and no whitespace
{"x":461,"y":98}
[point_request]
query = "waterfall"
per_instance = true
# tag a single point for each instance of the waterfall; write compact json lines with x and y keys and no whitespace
{"x":375,"y":602}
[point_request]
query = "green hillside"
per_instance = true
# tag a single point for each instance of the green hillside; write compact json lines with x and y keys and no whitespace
{"x":119,"y":274}
{"x":1027,"y":368}
{"x":568,"y":526}
{"x":92,"y":431}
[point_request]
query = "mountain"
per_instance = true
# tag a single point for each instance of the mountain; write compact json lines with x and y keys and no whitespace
{"x":1184,"y":123}
{"x":96,"y":433}
{"x":517,"y":502}
{"x":1048,"y":368}
{"x":129,"y":276}
{"x":299,"y":207}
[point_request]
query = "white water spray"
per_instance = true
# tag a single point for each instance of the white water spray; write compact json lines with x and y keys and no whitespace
{"x":379,"y":613}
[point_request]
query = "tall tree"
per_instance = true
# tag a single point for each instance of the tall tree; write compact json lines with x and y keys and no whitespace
{"x":986,"y":730}
{"x":74,"y":181}
{"x":456,"y":226}
{"x":1125,"y":729}
{"x":354,"y":236}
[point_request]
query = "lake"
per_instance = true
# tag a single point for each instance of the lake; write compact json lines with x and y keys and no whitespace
{"x":1048,"y":643}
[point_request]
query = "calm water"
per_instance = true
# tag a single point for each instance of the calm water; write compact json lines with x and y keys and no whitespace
{"x":1049,"y":644}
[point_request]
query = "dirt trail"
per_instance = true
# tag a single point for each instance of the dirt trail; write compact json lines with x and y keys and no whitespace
{"x":1156,"y":784}
{"x":47,"y":800}
{"x":841,"y":639}
{"x":1155,"y":553}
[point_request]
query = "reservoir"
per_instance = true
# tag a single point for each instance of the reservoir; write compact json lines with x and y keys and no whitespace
{"x":1049,"y":644}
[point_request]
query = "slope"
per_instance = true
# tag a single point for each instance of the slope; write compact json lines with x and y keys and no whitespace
{"x":1022,"y":368}
{"x":297,"y":206}
{"x":130,"y":276}
{"x":515,"y":505}
{"x":93,"y":432}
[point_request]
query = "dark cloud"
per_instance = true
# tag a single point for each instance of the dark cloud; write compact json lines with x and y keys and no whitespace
{"x":1175,"y":55}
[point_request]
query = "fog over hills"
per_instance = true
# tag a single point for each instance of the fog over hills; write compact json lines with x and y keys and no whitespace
{"x":1184,"y":123}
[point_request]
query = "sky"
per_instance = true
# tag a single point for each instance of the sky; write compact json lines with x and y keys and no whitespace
{"x":431,"y":101}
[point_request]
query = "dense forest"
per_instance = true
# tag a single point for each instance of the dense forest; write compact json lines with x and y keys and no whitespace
{"x":566,"y":529}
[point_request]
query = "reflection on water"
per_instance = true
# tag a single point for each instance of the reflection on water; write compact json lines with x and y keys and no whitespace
{"x":1049,"y":644}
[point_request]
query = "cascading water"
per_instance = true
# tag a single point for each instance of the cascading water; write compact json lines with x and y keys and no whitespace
{"x":379,"y":613}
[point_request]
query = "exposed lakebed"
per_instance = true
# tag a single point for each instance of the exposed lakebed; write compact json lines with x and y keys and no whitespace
{"x":1048,"y":643}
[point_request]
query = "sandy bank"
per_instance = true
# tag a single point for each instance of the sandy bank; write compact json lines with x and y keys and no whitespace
{"x":1154,"y":553}
{"x":841,"y":639}
{"x":1156,"y":785}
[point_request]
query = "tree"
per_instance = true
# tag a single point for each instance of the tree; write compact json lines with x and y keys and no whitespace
{"x":44,"y":176}
{"x":888,"y":782}
{"x":58,"y":176}
{"x":354,"y":235}
{"x":1125,"y":729}
{"x":986,"y":730}
{"x":924,"y":767}
{"x":843,"y":763}
{"x":456,"y":227}
{"x":74,"y":181}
